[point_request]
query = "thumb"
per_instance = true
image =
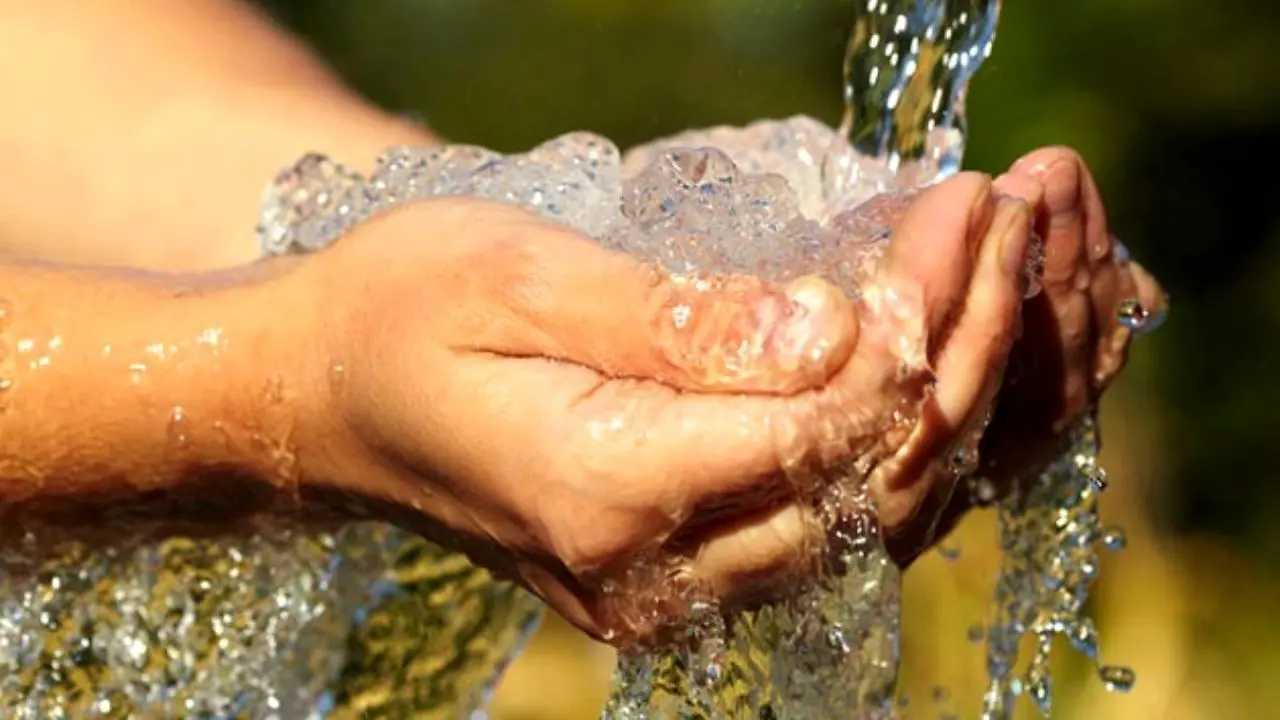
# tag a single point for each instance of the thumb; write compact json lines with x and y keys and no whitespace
{"x":563,"y":296}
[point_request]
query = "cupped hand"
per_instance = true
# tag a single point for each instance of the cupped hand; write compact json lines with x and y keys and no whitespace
{"x":1074,"y":342}
{"x":1075,"y":333}
{"x":561,"y":411}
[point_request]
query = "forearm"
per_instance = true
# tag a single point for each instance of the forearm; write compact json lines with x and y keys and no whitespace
{"x":144,"y":132}
{"x":146,"y":397}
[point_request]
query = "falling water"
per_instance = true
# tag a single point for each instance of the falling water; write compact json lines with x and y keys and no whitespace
{"x":906,"y":73}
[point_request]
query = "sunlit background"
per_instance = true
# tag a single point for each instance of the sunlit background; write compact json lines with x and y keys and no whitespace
{"x":1176,"y":106}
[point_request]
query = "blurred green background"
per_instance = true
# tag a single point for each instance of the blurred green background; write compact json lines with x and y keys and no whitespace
{"x":1176,"y":106}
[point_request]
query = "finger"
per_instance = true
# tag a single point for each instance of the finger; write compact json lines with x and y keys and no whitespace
{"x":1077,"y":230}
{"x":969,"y":365}
{"x":930,"y":259}
{"x":1140,"y":307}
{"x":553,"y":293}
{"x":739,"y":563}
{"x":1064,"y":334}
{"x":1112,"y":290}
{"x":752,"y":557}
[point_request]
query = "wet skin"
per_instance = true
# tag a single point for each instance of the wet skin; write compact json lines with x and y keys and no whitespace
{"x":1071,"y":344}
{"x":589,"y":443}
{"x":516,"y":391}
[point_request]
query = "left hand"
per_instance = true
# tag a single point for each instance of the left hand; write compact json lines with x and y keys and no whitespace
{"x":1072,"y":344}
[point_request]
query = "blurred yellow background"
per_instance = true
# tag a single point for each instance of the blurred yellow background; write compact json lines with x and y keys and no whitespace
{"x":1176,"y":106}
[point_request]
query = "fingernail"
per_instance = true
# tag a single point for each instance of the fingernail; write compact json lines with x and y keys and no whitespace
{"x":981,"y":208}
{"x":1012,"y":223}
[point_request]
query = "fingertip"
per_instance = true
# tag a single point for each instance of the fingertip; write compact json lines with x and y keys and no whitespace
{"x":1022,"y":186}
{"x":1038,"y":162}
{"x":817,"y":338}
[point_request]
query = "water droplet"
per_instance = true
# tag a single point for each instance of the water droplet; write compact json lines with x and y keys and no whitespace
{"x":838,"y":641}
{"x":1034,"y":272}
{"x":137,"y":373}
{"x":1085,"y":639}
{"x":950,"y":553}
{"x":337,"y":378}
{"x":211,"y":338}
{"x":982,"y":491}
{"x":1087,"y":466}
{"x":1040,"y":688}
{"x":1114,"y":539}
{"x":273,"y":393}
{"x":1117,"y":678}
{"x":976,"y":633}
{"x":940,"y":694}
{"x":964,"y":460}
{"x":1132,"y":315}
{"x":1121,"y":251}
{"x":1034,"y":288}
{"x":680,"y":315}
{"x":179,"y":428}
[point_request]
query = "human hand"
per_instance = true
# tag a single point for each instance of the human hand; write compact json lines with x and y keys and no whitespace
{"x":1073,"y":342}
{"x":560,"y":411}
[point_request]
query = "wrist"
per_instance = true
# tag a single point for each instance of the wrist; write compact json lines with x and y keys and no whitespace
{"x":160,"y":400}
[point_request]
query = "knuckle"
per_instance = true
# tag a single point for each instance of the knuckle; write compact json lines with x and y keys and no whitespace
{"x":514,"y":265}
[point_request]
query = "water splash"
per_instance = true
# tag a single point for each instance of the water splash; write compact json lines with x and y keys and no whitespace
{"x":906,"y":74}
{"x":1049,"y":531}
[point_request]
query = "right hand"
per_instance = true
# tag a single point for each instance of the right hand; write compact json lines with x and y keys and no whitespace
{"x":514,"y":390}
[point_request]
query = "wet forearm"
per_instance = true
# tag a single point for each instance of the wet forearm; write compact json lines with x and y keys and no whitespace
{"x":145,"y":396}
{"x":143,"y":133}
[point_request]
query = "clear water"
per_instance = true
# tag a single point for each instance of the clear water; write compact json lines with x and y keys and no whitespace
{"x":286,"y":624}
{"x":906,"y":73}
{"x":1050,"y":533}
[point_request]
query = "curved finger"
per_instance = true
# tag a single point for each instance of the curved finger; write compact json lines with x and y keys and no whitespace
{"x":1077,"y":227}
{"x":969,"y":366}
{"x":930,"y":259}
{"x":752,"y":557}
{"x":545,"y":291}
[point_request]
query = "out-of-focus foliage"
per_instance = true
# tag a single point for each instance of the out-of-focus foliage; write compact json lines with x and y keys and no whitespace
{"x":1176,"y":105}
